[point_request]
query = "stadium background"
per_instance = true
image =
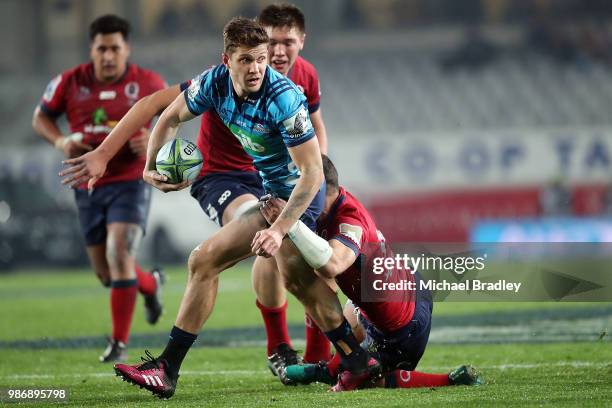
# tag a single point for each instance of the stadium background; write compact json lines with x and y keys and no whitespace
{"x":453,"y":121}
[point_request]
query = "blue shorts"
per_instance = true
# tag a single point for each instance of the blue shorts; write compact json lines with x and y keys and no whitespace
{"x":216,"y":191}
{"x":127,"y":201}
{"x":403,"y":348}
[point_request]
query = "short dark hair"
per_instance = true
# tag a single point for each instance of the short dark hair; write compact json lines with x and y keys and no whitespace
{"x":331,"y":174}
{"x":109,"y":24}
{"x":282,"y":15}
{"x":243,"y":32}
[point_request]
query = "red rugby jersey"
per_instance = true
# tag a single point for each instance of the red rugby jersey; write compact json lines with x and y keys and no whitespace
{"x":350,"y":223}
{"x":94,"y":108}
{"x":221,"y":150}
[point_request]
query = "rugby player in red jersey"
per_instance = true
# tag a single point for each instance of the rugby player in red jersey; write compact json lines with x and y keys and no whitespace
{"x":394,"y":326}
{"x":94,"y":96}
{"x":229,"y":184}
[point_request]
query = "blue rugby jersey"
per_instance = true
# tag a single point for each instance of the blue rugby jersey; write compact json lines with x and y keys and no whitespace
{"x":266,"y":123}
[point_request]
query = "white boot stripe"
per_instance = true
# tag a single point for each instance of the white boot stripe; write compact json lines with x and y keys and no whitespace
{"x":161,"y":384}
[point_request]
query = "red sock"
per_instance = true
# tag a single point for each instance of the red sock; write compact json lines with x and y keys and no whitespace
{"x":333,"y":365}
{"x":317,"y":345}
{"x":122,"y":300}
{"x":146,"y":282}
{"x":415,"y":379}
{"x":275,"y":320}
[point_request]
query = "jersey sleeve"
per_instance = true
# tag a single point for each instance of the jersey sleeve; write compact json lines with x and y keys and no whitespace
{"x":185,"y":85}
{"x":350,"y":231}
{"x":198,"y":93}
{"x":291,"y":117}
{"x":53,"y":101}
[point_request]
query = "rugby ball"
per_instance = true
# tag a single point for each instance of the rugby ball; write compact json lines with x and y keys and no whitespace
{"x":179,"y":160}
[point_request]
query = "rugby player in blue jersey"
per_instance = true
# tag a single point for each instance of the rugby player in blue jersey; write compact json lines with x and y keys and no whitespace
{"x":269,"y":115}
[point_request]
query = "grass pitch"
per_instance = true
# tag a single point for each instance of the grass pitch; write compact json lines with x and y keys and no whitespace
{"x":52,"y":326}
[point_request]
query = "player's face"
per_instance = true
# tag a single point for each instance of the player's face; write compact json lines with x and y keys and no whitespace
{"x":247,"y":67}
{"x":284,"y":47}
{"x":109,"y":53}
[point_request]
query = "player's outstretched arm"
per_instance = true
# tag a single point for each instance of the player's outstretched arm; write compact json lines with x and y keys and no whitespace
{"x":319,"y":127}
{"x":329,"y":258}
{"x":91,"y":166}
{"x":165,"y":129}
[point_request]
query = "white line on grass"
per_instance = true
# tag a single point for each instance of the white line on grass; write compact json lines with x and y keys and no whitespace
{"x":575,"y":364}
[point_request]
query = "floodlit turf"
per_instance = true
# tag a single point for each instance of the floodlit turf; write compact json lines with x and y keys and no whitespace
{"x":548,"y":375}
{"x":61,"y":305}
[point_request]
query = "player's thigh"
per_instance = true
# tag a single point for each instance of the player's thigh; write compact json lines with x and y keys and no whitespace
{"x":296,"y":273}
{"x":229,"y":245}
{"x":239,"y":206}
{"x":222,"y":196}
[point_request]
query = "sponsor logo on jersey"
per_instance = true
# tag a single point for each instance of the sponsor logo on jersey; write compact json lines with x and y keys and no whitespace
{"x":297,"y":125}
{"x":51,"y":88}
{"x":107,"y":95}
{"x":99,"y":116}
{"x":100,"y":124}
{"x":131,"y":90}
{"x":353,"y":232}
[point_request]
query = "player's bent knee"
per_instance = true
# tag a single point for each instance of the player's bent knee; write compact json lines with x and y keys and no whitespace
{"x":202,"y":262}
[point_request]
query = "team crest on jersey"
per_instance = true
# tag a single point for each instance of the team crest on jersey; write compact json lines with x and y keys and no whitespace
{"x":353,"y":232}
{"x":297,"y":125}
{"x":131,"y":90}
{"x":51,"y":88}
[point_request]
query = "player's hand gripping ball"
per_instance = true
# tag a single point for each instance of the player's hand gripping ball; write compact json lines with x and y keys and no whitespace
{"x":179,"y":160}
